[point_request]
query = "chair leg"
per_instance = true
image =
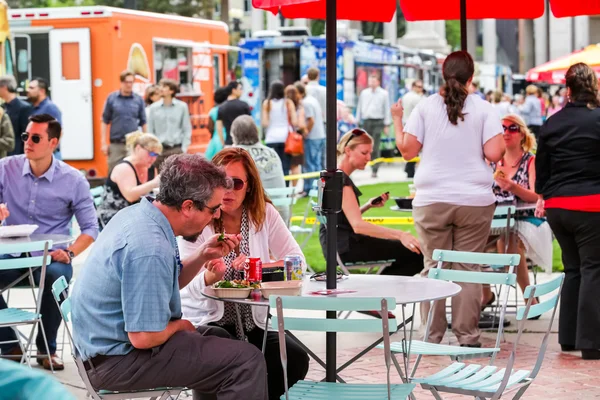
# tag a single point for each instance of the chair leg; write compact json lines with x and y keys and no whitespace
{"x":520,"y":392}
{"x":435,"y":393}
{"x":41,"y":326}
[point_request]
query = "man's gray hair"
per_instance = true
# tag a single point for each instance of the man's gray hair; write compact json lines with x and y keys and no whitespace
{"x":244,"y":131}
{"x":9,"y":82}
{"x":190,"y":177}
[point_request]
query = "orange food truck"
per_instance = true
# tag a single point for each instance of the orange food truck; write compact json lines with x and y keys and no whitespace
{"x":82,"y":50}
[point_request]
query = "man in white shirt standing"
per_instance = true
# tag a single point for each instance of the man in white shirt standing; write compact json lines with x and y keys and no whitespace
{"x":373,"y":114}
{"x":409,"y":102}
{"x":169,"y":120}
{"x":314,"y":89}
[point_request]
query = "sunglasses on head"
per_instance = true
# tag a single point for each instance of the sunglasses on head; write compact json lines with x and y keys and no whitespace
{"x":354,"y":133}
{"x":34,"y":138}
{"x":238,"y":184}
{"x":511,"y":128}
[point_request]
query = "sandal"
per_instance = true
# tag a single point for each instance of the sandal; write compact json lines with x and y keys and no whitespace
{"x":490,"y":302}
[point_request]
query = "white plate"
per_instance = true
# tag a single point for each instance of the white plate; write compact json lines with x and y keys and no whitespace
{"x":17,"y":230}
{"x":229,"y":293}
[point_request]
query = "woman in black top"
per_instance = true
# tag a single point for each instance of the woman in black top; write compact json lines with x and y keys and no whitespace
{"x":133,"y":177}
{"x":359,"y":240}
{"x":568,"y":181}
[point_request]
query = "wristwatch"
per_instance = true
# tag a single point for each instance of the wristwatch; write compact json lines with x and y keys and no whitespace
{"x":71,"y":255}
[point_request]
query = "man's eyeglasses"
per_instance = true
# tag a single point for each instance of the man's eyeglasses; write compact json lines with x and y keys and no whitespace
{"x":213,"y":210}
{"x":201,"y":206}
{"x":238,"y":184}
{"x":354,"y":132}
{"x":514,"y":128}
{"x":34,"y":138}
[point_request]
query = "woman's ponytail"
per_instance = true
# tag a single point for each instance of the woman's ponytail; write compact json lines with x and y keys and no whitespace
{"x":457,"y":70}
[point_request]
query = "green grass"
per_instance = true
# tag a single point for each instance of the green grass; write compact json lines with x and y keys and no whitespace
{"x":314,"y":254}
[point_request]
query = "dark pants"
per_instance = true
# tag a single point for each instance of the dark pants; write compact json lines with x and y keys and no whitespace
{"x":285,"y":158}
{"x":535,"y":129}
{"x":166,"y":153}
{"x":51,"y":318}
{"x":410,"y":169}
{"x":578,"y":234}
{"x":366,"y":248}
{"x":297,"y":359}
{"x":374,"y":127}
{"x":204,"y":361}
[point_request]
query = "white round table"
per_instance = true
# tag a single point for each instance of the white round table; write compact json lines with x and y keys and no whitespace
{"x":406,"y":290}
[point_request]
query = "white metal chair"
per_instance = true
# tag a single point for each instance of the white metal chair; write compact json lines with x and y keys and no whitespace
{"x":329,"y":390}
{"x":15,"y":317}
{"x":490,"y":382}
{"x":63,"y":302}
{"x":424,"y":348}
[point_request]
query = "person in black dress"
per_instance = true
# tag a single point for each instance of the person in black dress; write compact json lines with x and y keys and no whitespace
{"x":359,"y":240}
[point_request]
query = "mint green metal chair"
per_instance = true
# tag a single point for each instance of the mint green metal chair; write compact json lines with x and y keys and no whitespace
{"x":97,"y":194}
{"x":424,"y":348}
{"x":329,"y":390}
{"x":15,"y":317}
{"x":20,"y":382}
{"x":63,"y":302}
{"x":490,"y":382}
{"x":283,"y":198}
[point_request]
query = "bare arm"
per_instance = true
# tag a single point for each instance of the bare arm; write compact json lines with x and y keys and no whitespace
{"x":527,"y":194}
{"x":264,"y":115}
{"x":408,"y":144}
{"x":148,"y":340}
{"x":310,"y":122}
{"x":293,"y":117}
{"x":220,"y":131}
{"x":494,"y":148}
{"x":124,"y":177}
{"x":104,"y":136}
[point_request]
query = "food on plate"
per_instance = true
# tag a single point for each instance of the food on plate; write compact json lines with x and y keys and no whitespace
{"x":236,"y":284}
{"x":499,"y":174}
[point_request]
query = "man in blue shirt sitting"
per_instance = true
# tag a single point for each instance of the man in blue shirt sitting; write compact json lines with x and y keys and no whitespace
{"x":36,"y":188}
{"x":126,"y":306}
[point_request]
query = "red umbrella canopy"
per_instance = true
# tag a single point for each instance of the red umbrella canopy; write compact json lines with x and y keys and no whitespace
{"x":355,"y":10}
{"x":419,"y":10}
{"x":573,"y":8}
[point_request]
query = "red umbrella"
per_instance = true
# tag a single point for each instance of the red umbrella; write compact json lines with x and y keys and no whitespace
{"x":346,"y":9}
{"x":419,"y":10}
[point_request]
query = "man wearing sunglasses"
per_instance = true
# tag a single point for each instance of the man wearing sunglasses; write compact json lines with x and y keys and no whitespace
{"x":126,"y":305}
{"x":36,"y":188}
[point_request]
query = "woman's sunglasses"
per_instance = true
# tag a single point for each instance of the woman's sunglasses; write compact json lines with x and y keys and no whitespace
{"x":512,"y":128}
{"x":355,"y":133}
{"x":238,"y":184}
{"x":34,"y":138}
{"x":152,"y":153}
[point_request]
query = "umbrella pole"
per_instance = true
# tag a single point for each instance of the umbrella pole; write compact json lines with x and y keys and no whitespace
{"x":331,"y":144}
{"x":463,"y":25}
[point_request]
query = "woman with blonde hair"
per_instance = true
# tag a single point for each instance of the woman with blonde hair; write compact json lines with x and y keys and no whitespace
{"x":357,"y":239}
{"x":514,"y":183}
{"x":245,"y":211}
{"x":133,"y":177}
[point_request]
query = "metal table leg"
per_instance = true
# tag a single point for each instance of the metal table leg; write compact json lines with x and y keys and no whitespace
{"x":264,"y":343}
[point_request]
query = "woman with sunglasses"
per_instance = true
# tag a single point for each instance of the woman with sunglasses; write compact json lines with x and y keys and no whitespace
{"x":359,"y":240}
{"x":455,"y":132}
{"x":248,"y":212}
{"x":515,"y":184}
{"x":133,"y":177}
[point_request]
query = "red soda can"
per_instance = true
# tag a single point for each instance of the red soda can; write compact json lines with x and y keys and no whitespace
{"x":253,"y":270}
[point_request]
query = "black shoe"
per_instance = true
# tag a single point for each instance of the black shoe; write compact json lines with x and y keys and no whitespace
{"x":567,"y":347}
{"x":590,"y":354}
{"x":475,"y":345}
{"x":491,"y":302}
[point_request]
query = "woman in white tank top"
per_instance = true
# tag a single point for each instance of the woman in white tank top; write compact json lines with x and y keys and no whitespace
{"x":278,"y":114}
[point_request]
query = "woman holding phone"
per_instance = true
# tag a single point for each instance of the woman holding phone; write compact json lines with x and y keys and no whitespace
{"x":359,"y":240}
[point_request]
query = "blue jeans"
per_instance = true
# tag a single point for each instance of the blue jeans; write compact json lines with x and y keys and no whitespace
{"x":313,"y":159}
{"x":51,"y":318}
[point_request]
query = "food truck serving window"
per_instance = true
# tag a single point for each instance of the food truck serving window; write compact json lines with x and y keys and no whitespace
{"x":174,"y":62}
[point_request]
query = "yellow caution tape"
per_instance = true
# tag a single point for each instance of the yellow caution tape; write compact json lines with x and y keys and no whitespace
{"x":373,"y":220}
{"x":376,"y":161}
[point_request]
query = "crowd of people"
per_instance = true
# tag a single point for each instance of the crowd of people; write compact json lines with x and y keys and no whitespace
{"x":139,"y":317}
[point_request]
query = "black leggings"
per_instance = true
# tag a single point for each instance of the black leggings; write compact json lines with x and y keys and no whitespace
{"x":367,"y":248}
{"x":297,"y":359}
{"x":578,"y":234}
{"x":286,"y":159}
